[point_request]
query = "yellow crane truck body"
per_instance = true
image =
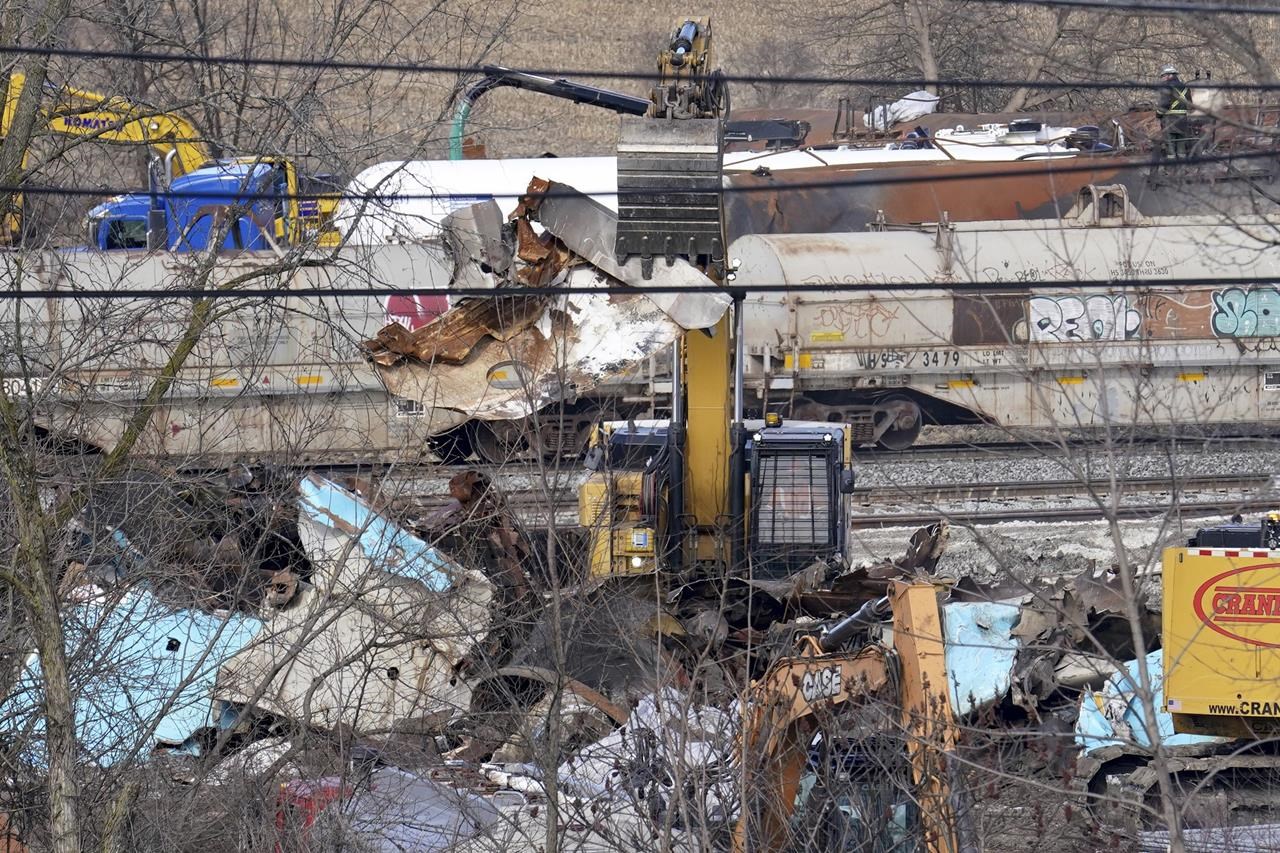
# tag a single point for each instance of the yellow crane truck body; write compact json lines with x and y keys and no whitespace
{"x":1221,"y":627}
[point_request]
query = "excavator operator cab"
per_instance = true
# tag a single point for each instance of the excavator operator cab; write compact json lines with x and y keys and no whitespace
{"x":800,"y":480}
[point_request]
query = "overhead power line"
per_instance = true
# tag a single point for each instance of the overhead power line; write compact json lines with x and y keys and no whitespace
{"x":863,"y":176}
{"x":335,"y":64}
{"x":1173,"y":7}
{"x":728,"y":289}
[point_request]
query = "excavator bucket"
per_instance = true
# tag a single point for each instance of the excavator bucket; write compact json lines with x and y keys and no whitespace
{"x":669,"y":190}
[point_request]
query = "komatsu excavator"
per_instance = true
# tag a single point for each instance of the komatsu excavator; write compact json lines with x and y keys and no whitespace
{"x":179,"y":147}
{"x":75,"y":112}
{"x":709,"y":495}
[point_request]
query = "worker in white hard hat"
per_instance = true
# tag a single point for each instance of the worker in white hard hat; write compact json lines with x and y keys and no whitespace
{"x":1175,"y":103}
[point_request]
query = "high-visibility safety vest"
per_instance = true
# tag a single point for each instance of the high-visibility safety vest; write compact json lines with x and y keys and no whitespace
{"x":1181,"y":101}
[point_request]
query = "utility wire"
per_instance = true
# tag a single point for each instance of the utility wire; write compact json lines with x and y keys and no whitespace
{"x":864,"y":172}
{"x":1173,"y":7}
{"x":729,"y":289}
{"x":648,"y":76}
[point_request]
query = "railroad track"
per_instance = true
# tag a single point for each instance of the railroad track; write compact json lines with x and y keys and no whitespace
{"x":871,"y":455}
{"x":1014,"y":490}
{"x":978,"y":518}
{"x":928,"y":503}
{"x":1050,"y":449}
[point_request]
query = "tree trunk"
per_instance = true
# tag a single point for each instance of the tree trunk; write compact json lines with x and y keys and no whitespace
{"x":919,"y":20}
{"x":1038,"y":61}
{"x":59,"y":704}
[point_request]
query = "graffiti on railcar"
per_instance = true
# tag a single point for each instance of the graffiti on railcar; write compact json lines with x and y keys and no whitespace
{"x":1176,"y":315}
{"x":1155,"y":315}
{"x":1009,"y":272}
{"x":858,"y":320}
{"x":1249,"y":316}
{"x":987,"y":319}
{"x":1252,"y":312}
{"x":1082,"y":318}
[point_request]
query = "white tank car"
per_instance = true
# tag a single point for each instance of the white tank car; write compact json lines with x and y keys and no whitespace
{"x":406,"y":200}
{"x":892,"y":354}
{"x":286,"y":376}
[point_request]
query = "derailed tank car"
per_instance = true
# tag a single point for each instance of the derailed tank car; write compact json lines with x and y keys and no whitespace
{"x":991,"y":343}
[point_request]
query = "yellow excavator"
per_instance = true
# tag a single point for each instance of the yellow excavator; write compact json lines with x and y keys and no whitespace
{"x":671,"y":496}
{"x":75,"y":112}
{"x":180,"y":147}
{"x":708,"y":495}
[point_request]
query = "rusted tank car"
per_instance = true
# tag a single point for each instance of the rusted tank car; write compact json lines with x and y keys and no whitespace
{"x":953,"y":324}
{"x":1233,"y":173}
{"x":838,"y":199}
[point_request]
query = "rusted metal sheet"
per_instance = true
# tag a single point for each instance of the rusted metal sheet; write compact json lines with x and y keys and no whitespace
{"x":478,"y":361}
{"x":571,"y":347}
{"x":451,"y":337}
{"x":835,"y":200}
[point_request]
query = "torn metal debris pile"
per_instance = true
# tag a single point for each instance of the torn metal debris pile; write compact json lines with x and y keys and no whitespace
{"x":465,"y":694}
{"x":506,"y":357}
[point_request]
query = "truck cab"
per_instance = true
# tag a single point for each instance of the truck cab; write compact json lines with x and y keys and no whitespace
{"x":257,"y":193}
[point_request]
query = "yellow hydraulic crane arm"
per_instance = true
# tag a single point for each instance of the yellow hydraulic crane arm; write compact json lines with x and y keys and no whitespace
{"x":79,"y":113}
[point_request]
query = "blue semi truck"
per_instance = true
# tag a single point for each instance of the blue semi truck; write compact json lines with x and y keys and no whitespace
{"x":262,"y":195}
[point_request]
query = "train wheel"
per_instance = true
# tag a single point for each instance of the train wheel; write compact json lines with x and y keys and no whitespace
{"x":497,"y":442}
{"x":453,"y":447}
{"x":567,"y":441}
{"x":900,"y":419}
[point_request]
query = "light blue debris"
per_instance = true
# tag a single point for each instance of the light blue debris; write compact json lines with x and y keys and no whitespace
{"x":980,"y":650}
{"x":142,"y":671}
{"x":1113,"y":715}
{"x":387,"y":546}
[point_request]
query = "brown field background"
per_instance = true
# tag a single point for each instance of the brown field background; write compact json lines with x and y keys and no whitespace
{"x":750,"y":38}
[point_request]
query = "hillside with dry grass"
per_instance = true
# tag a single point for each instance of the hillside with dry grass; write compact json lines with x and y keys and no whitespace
{"x":859,"y":38}
{"x":750,"y":38}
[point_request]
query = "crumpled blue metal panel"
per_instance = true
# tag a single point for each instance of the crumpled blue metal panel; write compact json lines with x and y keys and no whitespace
{"x":980,"y":652}
{"x":386,"y":545}
{"x":1113,"y":715}
{"x":142,"y":671}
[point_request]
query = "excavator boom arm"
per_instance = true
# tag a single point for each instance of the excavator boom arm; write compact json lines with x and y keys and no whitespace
{"x":80,"y":113}
{"x":799,"y":694}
